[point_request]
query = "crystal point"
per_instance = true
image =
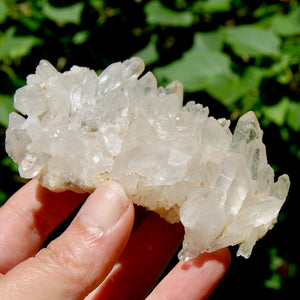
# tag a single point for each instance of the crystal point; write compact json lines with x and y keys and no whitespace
{"x":82,"y":129}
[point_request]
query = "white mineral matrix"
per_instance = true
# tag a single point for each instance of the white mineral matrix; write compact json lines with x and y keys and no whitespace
{"x":81,"y":129}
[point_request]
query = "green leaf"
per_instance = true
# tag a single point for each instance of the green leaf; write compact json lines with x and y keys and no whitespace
{"x":12,"y":46}
{"x":207,"y":41}
{"x":9,"y":163}
{"x":6,"y":107}
{"x":279,"y":66}
{"x":149,"y":54}
{"x":3,"y":197}
{"x":157,"y":14}
{"x":285,"y":135}
{"x":293,"y":117}
{"x":63,"y":15}
{"x":223,"y":86}
{"x":246,"y":40}
{"x":97,"y":4}
{"x":274,"y":282}
{"x":198,"y":65}
{"x":266,"y":9}
{"x":228,"y":87}
{"x":80,"y":37}
{"x":277,"y":113}
{"x":205,"y":67}
{"x":3,"y":11}
{"x":212,"y":6}
{"x":291,"y":46}
{"x":32,"y":24}
{"x":196,"y":69}
{"x":250,"y":81}
{"x":287,"y":25}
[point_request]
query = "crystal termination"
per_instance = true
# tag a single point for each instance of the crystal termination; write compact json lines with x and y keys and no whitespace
{"x":82,"y":129}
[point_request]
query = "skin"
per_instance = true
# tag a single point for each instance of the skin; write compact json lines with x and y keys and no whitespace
{"x":110,"y":251}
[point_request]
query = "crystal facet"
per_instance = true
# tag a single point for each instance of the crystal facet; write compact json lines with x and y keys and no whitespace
{"x":82,"y":129}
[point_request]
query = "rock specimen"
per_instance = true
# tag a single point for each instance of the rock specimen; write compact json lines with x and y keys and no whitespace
{"x":81,"y":129}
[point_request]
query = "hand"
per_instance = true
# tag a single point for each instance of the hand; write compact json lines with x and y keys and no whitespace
{"x":97,"y":257}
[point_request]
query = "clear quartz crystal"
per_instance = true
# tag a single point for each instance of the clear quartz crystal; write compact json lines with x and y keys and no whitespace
{"x":82,"y":129}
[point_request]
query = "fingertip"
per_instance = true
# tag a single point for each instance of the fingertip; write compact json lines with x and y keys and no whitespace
{"x":195,"y":278}
{"x":115,"y":187}
{"x":220,"y":259}
{"x":105,"y":206}
{"x":225,"y":256}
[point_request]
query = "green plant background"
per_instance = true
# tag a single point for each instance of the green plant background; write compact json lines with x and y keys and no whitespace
{"x":231,"y":55}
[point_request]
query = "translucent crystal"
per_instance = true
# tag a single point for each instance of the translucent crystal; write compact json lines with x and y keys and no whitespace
{"x":81,"y":129}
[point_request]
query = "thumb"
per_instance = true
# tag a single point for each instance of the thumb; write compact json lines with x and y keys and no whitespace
{"x":79,"y":260}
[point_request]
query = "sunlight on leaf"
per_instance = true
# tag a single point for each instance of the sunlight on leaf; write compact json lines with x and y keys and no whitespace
{"x":12,"y":46}
{"x":223,"y":87}
{"x":228,"y":87}
{"x":207,"y":41}
{"x":266,"y":9}
{"x":202,"y":63}
{"x":98,"y":4}
{"x":3,"y":11}
{"x":212,"y":6}
{"x":250,"y":81}
{"x":250,"y":41}
{"x":63,"y":15}
{"x":6,"y":107}
{"x":277,"y":113}
{"x":289,"y":24}
{"x":205,"y":67}
{"x":196,"y":69}
{"x":157,"y":14}
{"x":274,"y":282}
{"x":293,"y":117}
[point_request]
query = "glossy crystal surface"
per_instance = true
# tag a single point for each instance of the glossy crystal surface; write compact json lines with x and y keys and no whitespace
{"x":81,"y":129}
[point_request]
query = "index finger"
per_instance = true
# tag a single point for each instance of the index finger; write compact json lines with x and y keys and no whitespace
{"x":28,"y":217}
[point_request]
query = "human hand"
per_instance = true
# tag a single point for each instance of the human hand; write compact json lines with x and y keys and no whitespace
{"x":97,"y":257}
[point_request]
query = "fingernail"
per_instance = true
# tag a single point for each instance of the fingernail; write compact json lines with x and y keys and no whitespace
{"x":105,"y":206}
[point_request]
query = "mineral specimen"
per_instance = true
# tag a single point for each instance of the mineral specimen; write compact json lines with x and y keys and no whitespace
{"x":82,"y":129}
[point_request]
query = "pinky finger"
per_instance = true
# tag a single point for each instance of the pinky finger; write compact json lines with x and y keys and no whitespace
{"x":194,"y":279}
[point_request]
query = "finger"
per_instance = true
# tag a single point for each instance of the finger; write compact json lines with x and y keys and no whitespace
{"x":28,"y":217}
{"x":147,"y":254}
{"x":194,"y":279}
{"x":76,"y":262}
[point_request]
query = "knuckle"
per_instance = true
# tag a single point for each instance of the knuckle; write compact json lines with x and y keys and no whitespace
{"x":63,"y":262}
{"x":71,"y":258}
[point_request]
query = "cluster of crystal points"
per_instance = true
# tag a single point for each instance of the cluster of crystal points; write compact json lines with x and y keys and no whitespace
{"x":82,"y":129}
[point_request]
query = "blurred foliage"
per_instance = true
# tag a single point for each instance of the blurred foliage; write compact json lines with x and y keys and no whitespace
{"x":232,"y":55}
{"x":281,"y":270}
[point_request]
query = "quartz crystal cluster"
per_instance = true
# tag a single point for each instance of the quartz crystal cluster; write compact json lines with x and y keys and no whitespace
{"x":78,"y":129}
